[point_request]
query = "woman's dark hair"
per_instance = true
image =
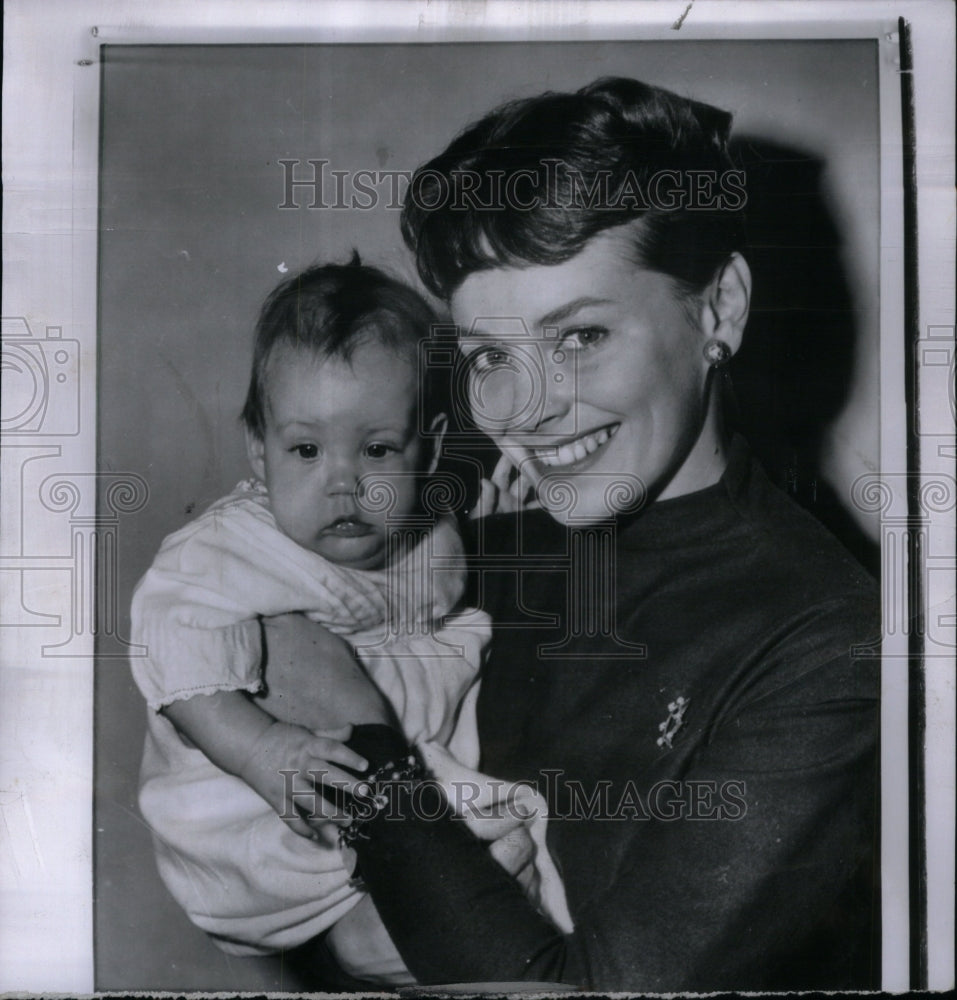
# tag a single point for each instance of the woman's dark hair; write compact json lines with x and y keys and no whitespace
{"x":330,"y":310}
{"x":536,"y":179}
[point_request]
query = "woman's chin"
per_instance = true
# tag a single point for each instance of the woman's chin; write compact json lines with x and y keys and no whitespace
{"x":581,"y":498}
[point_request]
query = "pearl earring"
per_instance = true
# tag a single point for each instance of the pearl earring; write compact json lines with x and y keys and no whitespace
{"x":716,"y":353}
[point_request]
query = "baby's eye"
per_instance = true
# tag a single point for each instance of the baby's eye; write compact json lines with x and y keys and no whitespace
{"x":379,"y":449}
{"x":306,"y":450}
{"x":584,"y":336}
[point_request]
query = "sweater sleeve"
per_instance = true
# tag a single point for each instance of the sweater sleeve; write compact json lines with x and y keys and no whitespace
{"x":427,"y":874}
{"x":715,"y":899}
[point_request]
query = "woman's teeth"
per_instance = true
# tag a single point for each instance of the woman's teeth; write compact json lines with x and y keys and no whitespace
{"x":575,"y":450}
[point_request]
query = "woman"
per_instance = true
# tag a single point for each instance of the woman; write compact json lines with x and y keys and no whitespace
{"x":695,"y":713}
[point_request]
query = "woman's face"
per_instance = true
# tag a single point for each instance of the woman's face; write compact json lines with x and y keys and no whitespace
{"x":590,"y":376}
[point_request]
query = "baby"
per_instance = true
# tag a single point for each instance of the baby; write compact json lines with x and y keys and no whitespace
{"x":341,"y":449}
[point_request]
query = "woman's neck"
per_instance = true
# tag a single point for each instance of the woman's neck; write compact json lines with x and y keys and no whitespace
{"x":706,"y":459}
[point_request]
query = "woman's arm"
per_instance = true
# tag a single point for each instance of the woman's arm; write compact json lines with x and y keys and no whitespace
{"x":692,"y":904}
{"x":454,"y":914}
{"x":313,"y":678}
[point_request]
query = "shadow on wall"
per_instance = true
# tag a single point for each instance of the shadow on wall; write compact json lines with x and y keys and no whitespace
{"x":792,"y":375}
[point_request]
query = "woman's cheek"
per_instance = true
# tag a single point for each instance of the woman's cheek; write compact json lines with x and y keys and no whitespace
{"x":502,"y":400}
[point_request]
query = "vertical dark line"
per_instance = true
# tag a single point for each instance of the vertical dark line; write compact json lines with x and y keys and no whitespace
{"x":916,"y":721}
{"x":97,"y":456}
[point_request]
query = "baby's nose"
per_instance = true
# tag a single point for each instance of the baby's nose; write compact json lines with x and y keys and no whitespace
{"x":342,"y":477}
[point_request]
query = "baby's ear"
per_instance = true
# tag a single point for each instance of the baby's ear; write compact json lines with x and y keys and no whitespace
{"x":256,"y":453}
{"x":434,"y":439}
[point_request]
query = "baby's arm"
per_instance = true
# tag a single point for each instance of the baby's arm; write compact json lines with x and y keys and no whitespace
{"x":285,"y":764}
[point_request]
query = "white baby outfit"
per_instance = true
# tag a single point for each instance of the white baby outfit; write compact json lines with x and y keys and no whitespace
{"x":236,"y":869}
{"x":239,"y":872}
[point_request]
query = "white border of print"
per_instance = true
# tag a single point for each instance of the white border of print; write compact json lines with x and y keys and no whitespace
{"x":51,"y":106}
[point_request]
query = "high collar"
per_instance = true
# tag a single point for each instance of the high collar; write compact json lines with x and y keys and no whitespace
{"x":674,"y":523}
{"x":682,"y":520}
{"x":698,"y":516}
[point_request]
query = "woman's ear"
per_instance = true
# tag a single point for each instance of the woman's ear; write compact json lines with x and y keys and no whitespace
{"x":727,"y":302}
{"x":436,"y":434}
{"x":256,"y":453}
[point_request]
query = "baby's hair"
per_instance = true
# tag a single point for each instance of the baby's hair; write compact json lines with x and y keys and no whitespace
{"x":615,"y":132}
{"x":329,"y":310}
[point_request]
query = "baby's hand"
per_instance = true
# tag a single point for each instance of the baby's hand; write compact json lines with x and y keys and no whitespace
{"x":289,"y":765}
{"x":508,"y":490}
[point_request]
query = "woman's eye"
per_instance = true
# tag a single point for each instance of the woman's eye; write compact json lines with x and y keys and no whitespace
{"x":378,"y":450}
{"x":306,"y":450}
{"x":584,"y":336}
{"x":488,"y":358}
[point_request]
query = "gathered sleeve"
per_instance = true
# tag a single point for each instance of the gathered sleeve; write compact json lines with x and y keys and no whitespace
{"x":189,"y":611}
{"x":197,"y":608}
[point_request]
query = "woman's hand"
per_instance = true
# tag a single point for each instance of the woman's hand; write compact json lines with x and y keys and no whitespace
{"x":313,"y":679}
{"x":515,"y":852}
{"x":508,"y":490}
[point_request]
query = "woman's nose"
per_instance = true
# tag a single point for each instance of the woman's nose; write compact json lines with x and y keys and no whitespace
{"x":559,"y":385}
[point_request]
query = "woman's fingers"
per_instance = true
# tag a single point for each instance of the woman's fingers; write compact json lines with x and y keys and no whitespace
{"x":502,"y":473}
{"x":522,"y":491}
{"x":517,"y":483}
{"x":494,"y":822}
{"x":508,"y":489}
{"x":485,"y":505}
{"x":514,"y":851}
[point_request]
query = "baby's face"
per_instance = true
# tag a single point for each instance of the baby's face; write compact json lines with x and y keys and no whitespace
{"x":329,"y":423}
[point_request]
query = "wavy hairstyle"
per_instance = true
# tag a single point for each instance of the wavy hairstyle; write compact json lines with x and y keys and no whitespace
{"x":587,"y":161}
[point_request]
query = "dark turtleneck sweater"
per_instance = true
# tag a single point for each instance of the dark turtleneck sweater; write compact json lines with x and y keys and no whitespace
{"x":737,"y":852}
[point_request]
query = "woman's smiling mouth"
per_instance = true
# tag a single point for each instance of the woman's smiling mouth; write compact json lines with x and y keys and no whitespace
{"x":577,"y":450}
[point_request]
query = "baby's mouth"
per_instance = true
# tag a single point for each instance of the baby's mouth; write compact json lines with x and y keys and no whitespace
{"x":577,"y":450}
{"x":347,"y":527}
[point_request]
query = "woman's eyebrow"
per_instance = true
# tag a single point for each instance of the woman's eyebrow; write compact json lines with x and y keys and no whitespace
{"x":552,"y":318}
{"x":562,"y":313}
